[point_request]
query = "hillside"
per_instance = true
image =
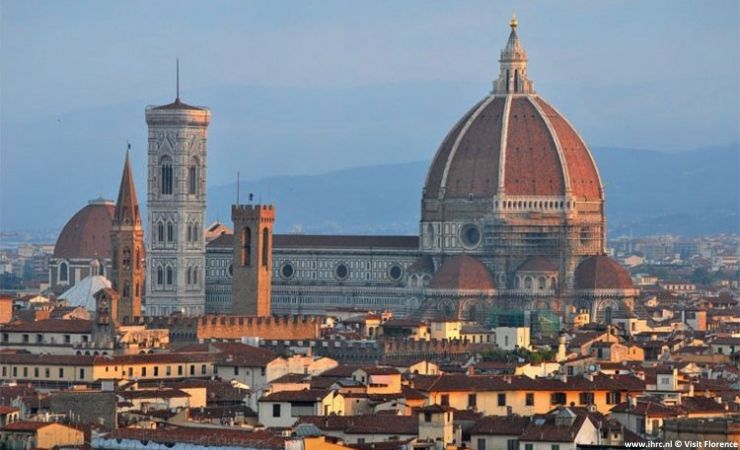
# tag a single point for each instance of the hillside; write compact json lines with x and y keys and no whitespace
{"x":695,"y":192}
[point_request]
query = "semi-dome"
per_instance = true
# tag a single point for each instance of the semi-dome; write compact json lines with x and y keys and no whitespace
{"x":87,"y":233}
{"x":513,"y":143}
{"x":462,"y":272}
{"x":602,"y":272}
{"x":537,"y":264}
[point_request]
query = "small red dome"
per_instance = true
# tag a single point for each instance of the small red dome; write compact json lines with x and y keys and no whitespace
{"x":462,"y":272}
{"x":602,"y":272}
{"x":87,"y":234}
{"x":537,"y":264}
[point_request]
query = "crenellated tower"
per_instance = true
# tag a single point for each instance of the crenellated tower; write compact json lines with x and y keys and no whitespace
{"x":127,"y":244}
{"x":252,"y":263}
{"x":176,"y":206}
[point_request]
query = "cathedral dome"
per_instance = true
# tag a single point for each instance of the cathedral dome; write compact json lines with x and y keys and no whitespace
{"x":602,"y":272}
{"x":462,"y":272}
{"x":513,"y":143}
{"x":87,"y":233}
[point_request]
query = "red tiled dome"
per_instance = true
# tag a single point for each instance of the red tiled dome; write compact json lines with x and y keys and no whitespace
{"x":543,"y":154}
{"x":537,"y":264}
{"x":87,"y":234}
{"x":513,"y":142}
{"x":462,"y":272}
{"x":602,"y":272}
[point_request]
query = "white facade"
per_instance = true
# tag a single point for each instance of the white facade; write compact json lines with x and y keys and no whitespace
{"x":509,"y":338}
{"x":176,"y":204}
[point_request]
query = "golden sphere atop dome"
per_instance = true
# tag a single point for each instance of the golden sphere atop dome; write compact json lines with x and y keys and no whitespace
{"x":513,"y":23}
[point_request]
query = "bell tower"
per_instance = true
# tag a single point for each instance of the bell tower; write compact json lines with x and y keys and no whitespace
{"x":252,"y":260}
{"x":176,"y":207}
{"x":127,"y":243}
{"x":105,"y":324}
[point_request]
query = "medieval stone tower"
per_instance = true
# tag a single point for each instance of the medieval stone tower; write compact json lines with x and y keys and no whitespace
{"x":127,"y":244}
{"x":176,"y":204}
{"x":105,"y":324}
{"x":252,"y":264}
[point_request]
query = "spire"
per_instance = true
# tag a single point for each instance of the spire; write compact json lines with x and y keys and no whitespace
{"x":127,"y":206}
{"x":513,"y":60}
{"x":513,"y":50}
{"x":177,"y":81}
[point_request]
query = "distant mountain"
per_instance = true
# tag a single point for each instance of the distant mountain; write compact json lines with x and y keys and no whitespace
{"x":50,"y":166}
{"x":689,"y":193}
{"x":382,"y":199}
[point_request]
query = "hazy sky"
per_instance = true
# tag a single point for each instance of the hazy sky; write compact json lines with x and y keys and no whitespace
{"x":76,"y":75}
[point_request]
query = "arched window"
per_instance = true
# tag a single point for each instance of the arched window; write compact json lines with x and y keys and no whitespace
{"x":187,"y":276}
{"x":528,"y":283}
{"x":541,"y":282}
{"x":160,"y":276}
{"x":126,"y":289}
{"x":126,"y":258}
{"x":429,"y":238}
{"x":160,"y":232}
{"x":196,"y":233}
{"x":169,"y":276}
{"x":246,"y":246}
{"x":170,"y":232}
{"x":190,"y":233}
{"x":265,"y":247}
{"x":193,"y":177}
{"x":166,"y":175}
{"x":195,"y":275}
{"x":136,"y":290}
{"x":63,"y":272}
{"x":138,"y":258}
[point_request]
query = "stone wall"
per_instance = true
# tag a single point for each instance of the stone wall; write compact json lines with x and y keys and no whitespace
{"x":273,"y":327}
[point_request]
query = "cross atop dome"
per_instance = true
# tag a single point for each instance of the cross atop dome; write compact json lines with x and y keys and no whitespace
{"x":513,"y":76}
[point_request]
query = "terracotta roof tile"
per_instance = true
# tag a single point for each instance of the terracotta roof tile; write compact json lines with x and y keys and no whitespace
{"x":537,"y":264}
{"x":203,"y":436}
{"x":500,"y":425}
{"x":462,"y":272}
{"x":26,"y":426}
{"x":50,"y":326}
{"x":474,"y":167}
{"x":177,"y":104}
{"x":386,"y":424}
{"x":546,"y":429}
{"x":423,"y":264}
{"x":532,"y":163}
{"x":305,"y":395}
{"x":584,"y":178}
{"x":87,"y":233}
{"x":601,"y":272}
